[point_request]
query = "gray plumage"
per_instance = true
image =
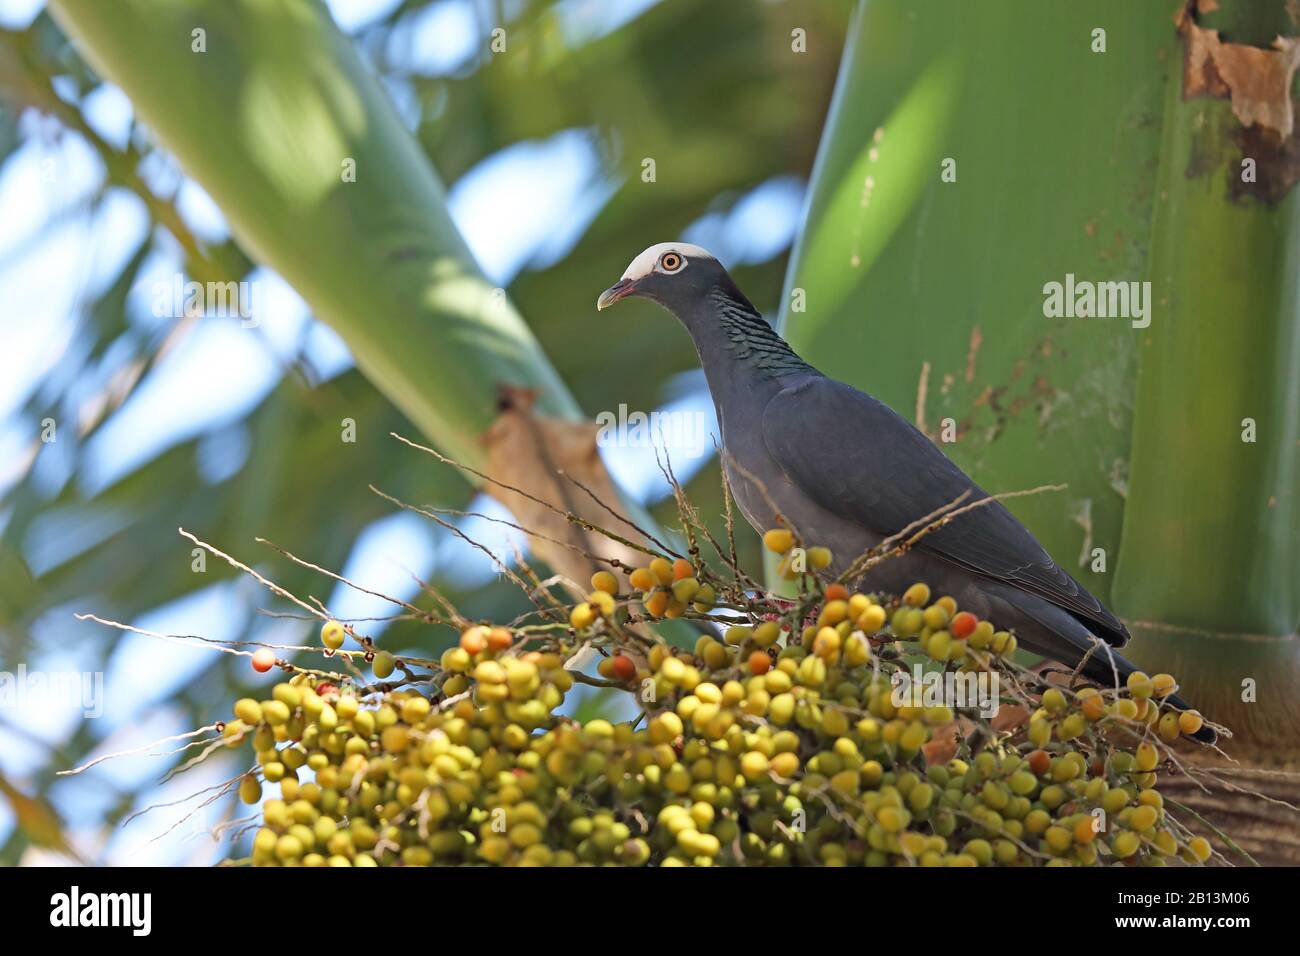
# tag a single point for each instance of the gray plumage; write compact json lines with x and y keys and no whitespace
{"x":847,"y":472}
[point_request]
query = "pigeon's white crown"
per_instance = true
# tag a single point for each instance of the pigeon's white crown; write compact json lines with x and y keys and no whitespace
{"x":645,"y":263}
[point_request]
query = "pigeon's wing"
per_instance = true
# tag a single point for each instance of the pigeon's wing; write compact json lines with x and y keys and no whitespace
{"x":858,"y":458}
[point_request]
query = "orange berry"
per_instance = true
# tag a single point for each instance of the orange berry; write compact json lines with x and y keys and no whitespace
{"x":759,"y":662}
{"x":682,"y":569}
{"x":1094,"y":707}
{"x":623,"y":668}
{"x":1189,"y":721}
{"x":656,"y":604}
{"x":836,"y":592}
{"x":1083,"y":831}
{"x":263,"y":659}
{"x":474,"y":640}
{"x":963,"y":625}
{"x":499,"y":638}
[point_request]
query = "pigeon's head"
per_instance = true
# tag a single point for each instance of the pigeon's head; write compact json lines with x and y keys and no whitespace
{"x":673,"y":274}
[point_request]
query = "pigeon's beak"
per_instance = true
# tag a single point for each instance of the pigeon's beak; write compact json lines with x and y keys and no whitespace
{"x":619,"y":290}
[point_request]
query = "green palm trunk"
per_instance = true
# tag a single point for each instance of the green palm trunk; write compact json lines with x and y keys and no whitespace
{"x":270,"y":108}
{"x":296,"y":141}
{"x":930,"y":293}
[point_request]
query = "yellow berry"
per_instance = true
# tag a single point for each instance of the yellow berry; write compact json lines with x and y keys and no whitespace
{"x":605,"y":581}
{"x":1054,"y":700}
{"x":643,"y":579}
{"x":1139,"y":685}
{"x":684,"y":590}
{"x":1125,"y":844}
{"x":1168,"y":728}
{"x":250,"y":790}
{"x":1146,"y":757}
{"x":935,"y":616}
{"x":1058,"y":839}
{"x":662,"y":569}
{"x":737,"y":634}
{"x":918,"y":595}
{"x":248,"y":710}
{"x":767,"y":633}
{"x":872,"y":619}
{"x":1162,"y":685}
{"x":856,"y":650}
{"x":754,"y":765}
{"x":705,"y":598}
{"x":384,"y":664}
{"x":1143,"y":817}
{"x":778,"y":540}
{"x":582,"y":616}
{"x":602,"y":601}
{"x":332,"y":634}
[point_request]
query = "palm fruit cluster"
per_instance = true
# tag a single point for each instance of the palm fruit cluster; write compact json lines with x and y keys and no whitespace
{"x":778,"y":742}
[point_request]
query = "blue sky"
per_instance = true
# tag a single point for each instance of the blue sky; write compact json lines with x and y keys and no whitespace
{"x":56,"y":253}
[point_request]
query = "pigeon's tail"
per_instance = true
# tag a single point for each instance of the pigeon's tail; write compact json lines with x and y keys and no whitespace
{"x":1046,"y":629}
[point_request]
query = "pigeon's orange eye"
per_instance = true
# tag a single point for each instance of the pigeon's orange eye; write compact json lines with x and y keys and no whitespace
{"x":671,"y":262}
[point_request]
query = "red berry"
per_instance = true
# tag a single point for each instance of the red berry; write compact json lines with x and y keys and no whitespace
{"x":837,"y":592}
{"x":263,"y":659}
{"x":963,"y":624}
{"x":1040,"y":761}
{"x":623,"y":667}
{"x":326,"y":690}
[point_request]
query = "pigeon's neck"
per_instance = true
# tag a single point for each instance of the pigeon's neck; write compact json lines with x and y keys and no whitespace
{"x":736,"y":343}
